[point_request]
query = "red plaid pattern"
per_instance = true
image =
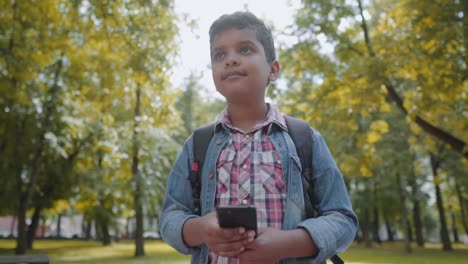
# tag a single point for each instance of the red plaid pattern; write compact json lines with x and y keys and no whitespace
{"x":250,"y":173}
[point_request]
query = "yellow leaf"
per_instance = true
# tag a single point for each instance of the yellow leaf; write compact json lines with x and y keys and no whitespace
{"x":60,"y":206}
{"x":380,"y":126}
{"x":365,"y":171}
{"x":413,"y":140}
{"x":385,"y":108}
{"x":373,"y":137}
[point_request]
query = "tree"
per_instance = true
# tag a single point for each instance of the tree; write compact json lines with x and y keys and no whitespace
{"x":353,"y":60}
{"x":66,"y":76}
{"x":195,"y":110}
{"x":32,"y":82}
{"x":435,"y":160}
{"x":368,"y":57}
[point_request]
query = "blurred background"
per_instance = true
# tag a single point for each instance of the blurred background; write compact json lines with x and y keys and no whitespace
{"x":97,"y":98}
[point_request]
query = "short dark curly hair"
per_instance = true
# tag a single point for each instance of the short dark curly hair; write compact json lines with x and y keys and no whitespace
{"x":241,"y":20}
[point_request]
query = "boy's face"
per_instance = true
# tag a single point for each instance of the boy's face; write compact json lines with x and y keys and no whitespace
{"x":239,"y":66}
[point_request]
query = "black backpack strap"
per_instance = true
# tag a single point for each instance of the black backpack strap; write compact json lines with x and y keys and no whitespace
{"x":201,"y":139}
{"x":299,"y":131}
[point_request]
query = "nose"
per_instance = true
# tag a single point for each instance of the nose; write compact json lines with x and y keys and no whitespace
{"x":232,"y":59}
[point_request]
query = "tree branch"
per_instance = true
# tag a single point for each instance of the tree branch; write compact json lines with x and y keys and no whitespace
{"x":366,"y":32}
{"x":9,"y":50}
{"x":456,"y":143}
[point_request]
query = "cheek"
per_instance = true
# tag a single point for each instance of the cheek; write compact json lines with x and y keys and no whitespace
{"x":216,"y":75}
{"x":215,"y":72}
{"x":260,"y":75}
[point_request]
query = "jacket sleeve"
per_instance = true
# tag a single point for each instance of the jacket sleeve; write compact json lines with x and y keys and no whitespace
{"x":178,"y":202}
{"x":335,"y":226}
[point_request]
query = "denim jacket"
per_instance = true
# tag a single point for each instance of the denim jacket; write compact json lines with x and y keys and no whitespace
{"x":332,"y":230}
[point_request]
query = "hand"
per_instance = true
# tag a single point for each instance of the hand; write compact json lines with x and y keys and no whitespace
{"x":266,"y":248}
{"x":226,"y":242}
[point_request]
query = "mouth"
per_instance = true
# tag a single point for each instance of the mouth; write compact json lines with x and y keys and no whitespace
{"x":232,"y":74}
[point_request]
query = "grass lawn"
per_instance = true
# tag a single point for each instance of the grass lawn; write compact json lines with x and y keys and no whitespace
{"x":394,"y":253}
{"x":92,"y":252}
{"x":89,"y":252}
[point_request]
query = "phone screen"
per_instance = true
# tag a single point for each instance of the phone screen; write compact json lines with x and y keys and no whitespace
{"x":237,"y":216}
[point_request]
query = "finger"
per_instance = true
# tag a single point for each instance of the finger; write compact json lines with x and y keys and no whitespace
{"x":232,"y":247}
{"x":246,"y":256}
{"x":260,"y":230}
{"x":251,"y":245}
{"x":249,"y":238}
{"x":231,"y":253}
{"x":232,"y":234}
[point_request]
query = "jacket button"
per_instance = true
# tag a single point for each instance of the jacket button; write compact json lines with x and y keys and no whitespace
{"x":210,"y":175}
{"x":218,"y":141}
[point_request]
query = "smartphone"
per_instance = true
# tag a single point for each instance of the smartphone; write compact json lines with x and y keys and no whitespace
{"x":237,"y":216}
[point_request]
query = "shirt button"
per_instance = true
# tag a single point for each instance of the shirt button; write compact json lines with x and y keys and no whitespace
{"x":278,"y":161}
{"x":246,"y":135}
{"x":245,"y":166}
{"x":244,"y":202}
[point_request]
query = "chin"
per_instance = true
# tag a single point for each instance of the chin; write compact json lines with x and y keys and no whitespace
{"x":232,"y":90}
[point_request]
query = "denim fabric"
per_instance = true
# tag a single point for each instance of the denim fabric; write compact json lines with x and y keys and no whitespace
{"x":332,"y":231}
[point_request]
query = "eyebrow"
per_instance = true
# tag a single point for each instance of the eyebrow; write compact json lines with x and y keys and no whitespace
{"x":247,"y":42}
{"x":216,"y":49}
{"x":244,"y":42}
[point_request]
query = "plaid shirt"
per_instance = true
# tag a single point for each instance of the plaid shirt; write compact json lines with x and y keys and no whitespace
{"x":250,"y":173}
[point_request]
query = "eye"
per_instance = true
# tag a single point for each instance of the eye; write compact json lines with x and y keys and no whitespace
{"x":218,"y":56}
{"x":245,"y":50}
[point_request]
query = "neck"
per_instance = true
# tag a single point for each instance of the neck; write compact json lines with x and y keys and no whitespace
{"x":246,"y":117}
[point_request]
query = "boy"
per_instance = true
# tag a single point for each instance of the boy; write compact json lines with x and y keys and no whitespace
{"x":251,"y":160}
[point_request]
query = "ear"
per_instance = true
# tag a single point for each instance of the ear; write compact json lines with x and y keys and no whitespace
{"x":274,"y":71}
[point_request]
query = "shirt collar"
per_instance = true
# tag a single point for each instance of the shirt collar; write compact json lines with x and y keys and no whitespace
{"x":273,"y":117}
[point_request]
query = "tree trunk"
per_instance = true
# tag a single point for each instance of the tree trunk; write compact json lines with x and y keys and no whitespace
{"x":102,"y":221}
{"x":83,"y":228}
{"x":21,"y":229}
{"x":22,"y":203}
{"x":388,"y":227}
{"x":12,"y":226}
{"x":25,"y":196}
{"x":106,"y":239}
{"x":127,"y":229}
{"x":117,"y":234}
{"x":59,"y":226}
{"x":444,"y":234}
{"x":376,"y":223}
{"x":461,"y":202}
{"x":365,"y":227}
{"x":403,"y":214}
{"x":88,"y":229}
{"x":410,"y":231}
{"x":97,"y":227}
{"x":456,"y":238}
{"x":139,"y":242}
{"x":31,"y":233}
{"x":137,"y":195}
{"x":418,"y":223}
{"x":43,"y":226}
